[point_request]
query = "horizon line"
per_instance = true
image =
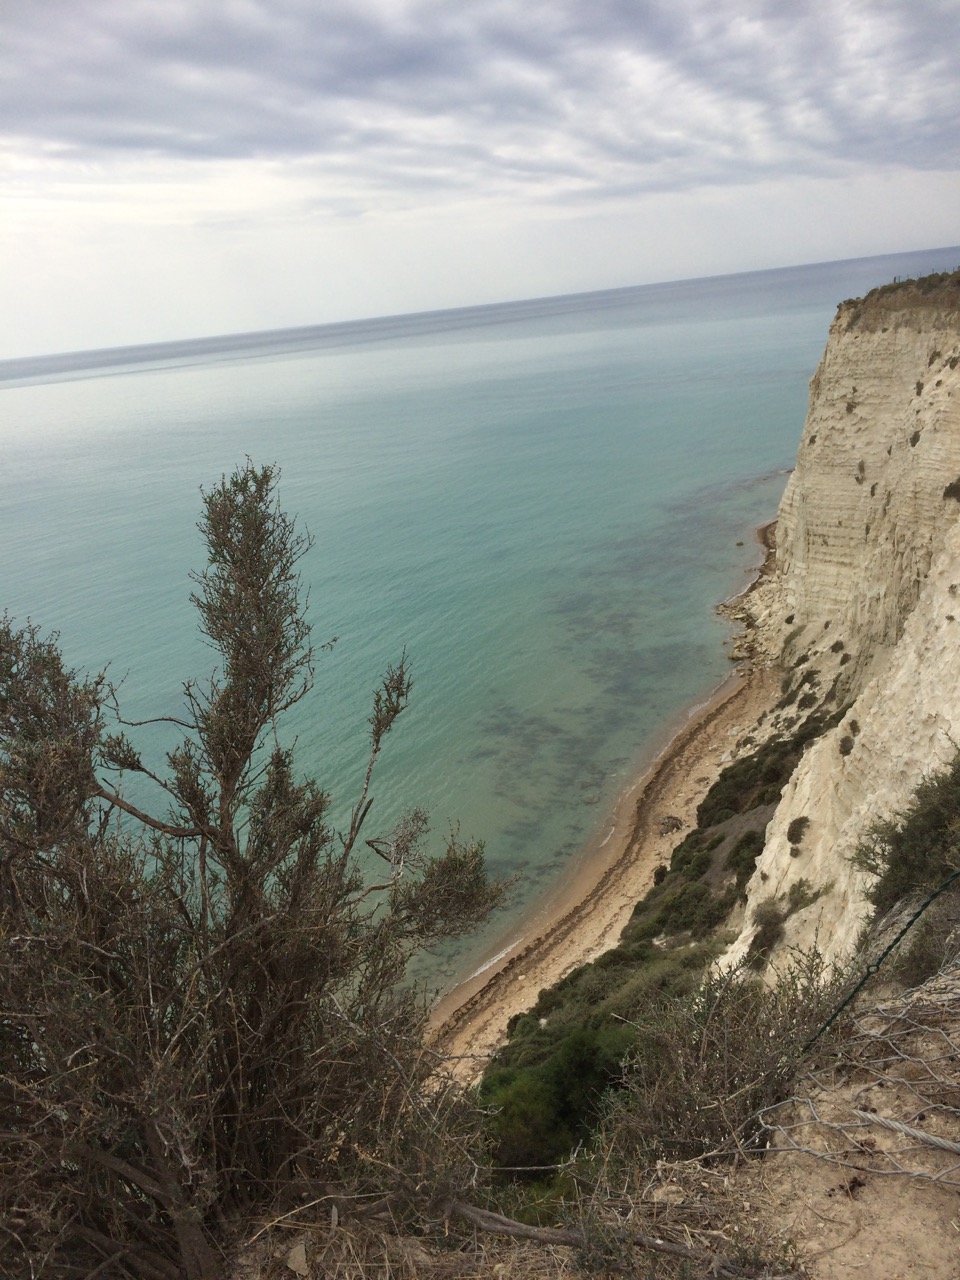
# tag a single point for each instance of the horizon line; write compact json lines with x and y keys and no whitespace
{"x":21,"y":368}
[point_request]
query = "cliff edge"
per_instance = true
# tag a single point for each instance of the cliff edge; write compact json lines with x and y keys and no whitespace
{"x":862,"y":608}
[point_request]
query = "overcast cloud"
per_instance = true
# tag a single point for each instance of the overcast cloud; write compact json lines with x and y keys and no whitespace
{"x":480,"y":148}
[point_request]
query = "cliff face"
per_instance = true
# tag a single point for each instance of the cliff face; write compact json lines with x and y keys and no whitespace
{"x":864,"y":602}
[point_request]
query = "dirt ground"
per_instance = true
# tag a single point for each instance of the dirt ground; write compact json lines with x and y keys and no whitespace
{"x":854,"y":1225}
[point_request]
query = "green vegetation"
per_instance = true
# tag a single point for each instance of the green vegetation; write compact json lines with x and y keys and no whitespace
{"x":916,"y":850}
{"x":742,"y":858}
{"x":910,"y":855}
{"x":931,"y":943}
{"x":758,"y":779}
{"x":540,"y":1111}
{"x":203,"y":1009}
{"x":705,"y":1063}
{"x":548,"y":1081}
{"x":770,"y":916}
{"x":797,"y":829}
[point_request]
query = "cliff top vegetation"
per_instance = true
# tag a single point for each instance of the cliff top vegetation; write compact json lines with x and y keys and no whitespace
{"x":940,"y":290}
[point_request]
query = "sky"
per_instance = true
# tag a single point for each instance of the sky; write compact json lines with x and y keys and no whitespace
{"x":182,"y":168}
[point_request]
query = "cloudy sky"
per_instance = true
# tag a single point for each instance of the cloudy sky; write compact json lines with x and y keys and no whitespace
{"x":177,"y":168}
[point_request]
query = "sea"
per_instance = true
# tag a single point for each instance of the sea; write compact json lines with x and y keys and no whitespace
{"x":540,"y":503}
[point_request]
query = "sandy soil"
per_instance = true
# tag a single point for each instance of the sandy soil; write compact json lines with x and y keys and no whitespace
{"x":851,"y":1225}
{"x":586,"y":915}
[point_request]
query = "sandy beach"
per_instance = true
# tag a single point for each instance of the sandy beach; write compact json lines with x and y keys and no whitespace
{"x":587,"y":912}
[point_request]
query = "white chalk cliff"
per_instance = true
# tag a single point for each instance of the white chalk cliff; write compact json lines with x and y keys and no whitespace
{"x":867,"y":586}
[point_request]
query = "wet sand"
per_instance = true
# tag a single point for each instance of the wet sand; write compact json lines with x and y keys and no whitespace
{"x":586,"y":914}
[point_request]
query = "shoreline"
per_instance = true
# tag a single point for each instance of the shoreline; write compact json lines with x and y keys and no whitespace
{"x":586,"y":913}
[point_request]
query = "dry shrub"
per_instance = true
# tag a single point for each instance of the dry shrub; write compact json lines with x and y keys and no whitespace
{"x":933,"y":942}
{"x":888,"y":1100}
{"x":358,"y":1251}
{"x":706,"y":1064}
{"x":202,"y":1012}
{"x":705,"y":1067}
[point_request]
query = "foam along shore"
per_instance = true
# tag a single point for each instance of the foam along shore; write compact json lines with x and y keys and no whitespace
{"x":588,"y":911}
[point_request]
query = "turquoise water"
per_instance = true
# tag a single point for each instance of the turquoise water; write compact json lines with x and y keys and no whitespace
{"x":541,"y":502}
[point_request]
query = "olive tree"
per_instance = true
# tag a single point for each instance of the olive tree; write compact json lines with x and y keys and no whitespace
{"x":202,"y":1010}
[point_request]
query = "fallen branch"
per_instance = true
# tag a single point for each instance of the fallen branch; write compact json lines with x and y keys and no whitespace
{"x":496,"y":1223}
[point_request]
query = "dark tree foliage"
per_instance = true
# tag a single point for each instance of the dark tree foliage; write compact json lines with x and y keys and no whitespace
{"x":917,"y":849}
{"x":201,"y":1011}
{"x":541,"y":1111}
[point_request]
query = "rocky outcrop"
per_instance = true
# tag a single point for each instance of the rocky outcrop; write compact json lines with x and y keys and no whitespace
{"x":863,"y":606}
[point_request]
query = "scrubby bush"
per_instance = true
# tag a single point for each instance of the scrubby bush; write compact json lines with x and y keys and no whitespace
{"x":742,"y":858}
{"x":769,"y":917}
{"x":758,"y":778}
{"x":704,"y":1064}
{"x":797,"y":829}
{"x":802,"y":894}
{"x":686,"y":851}
{"x":204,"y":1009}
{"x":933,"y":942}
{"x":546,"y":1084}
{"x":668,"y":973}
{"x":918,"y":848}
